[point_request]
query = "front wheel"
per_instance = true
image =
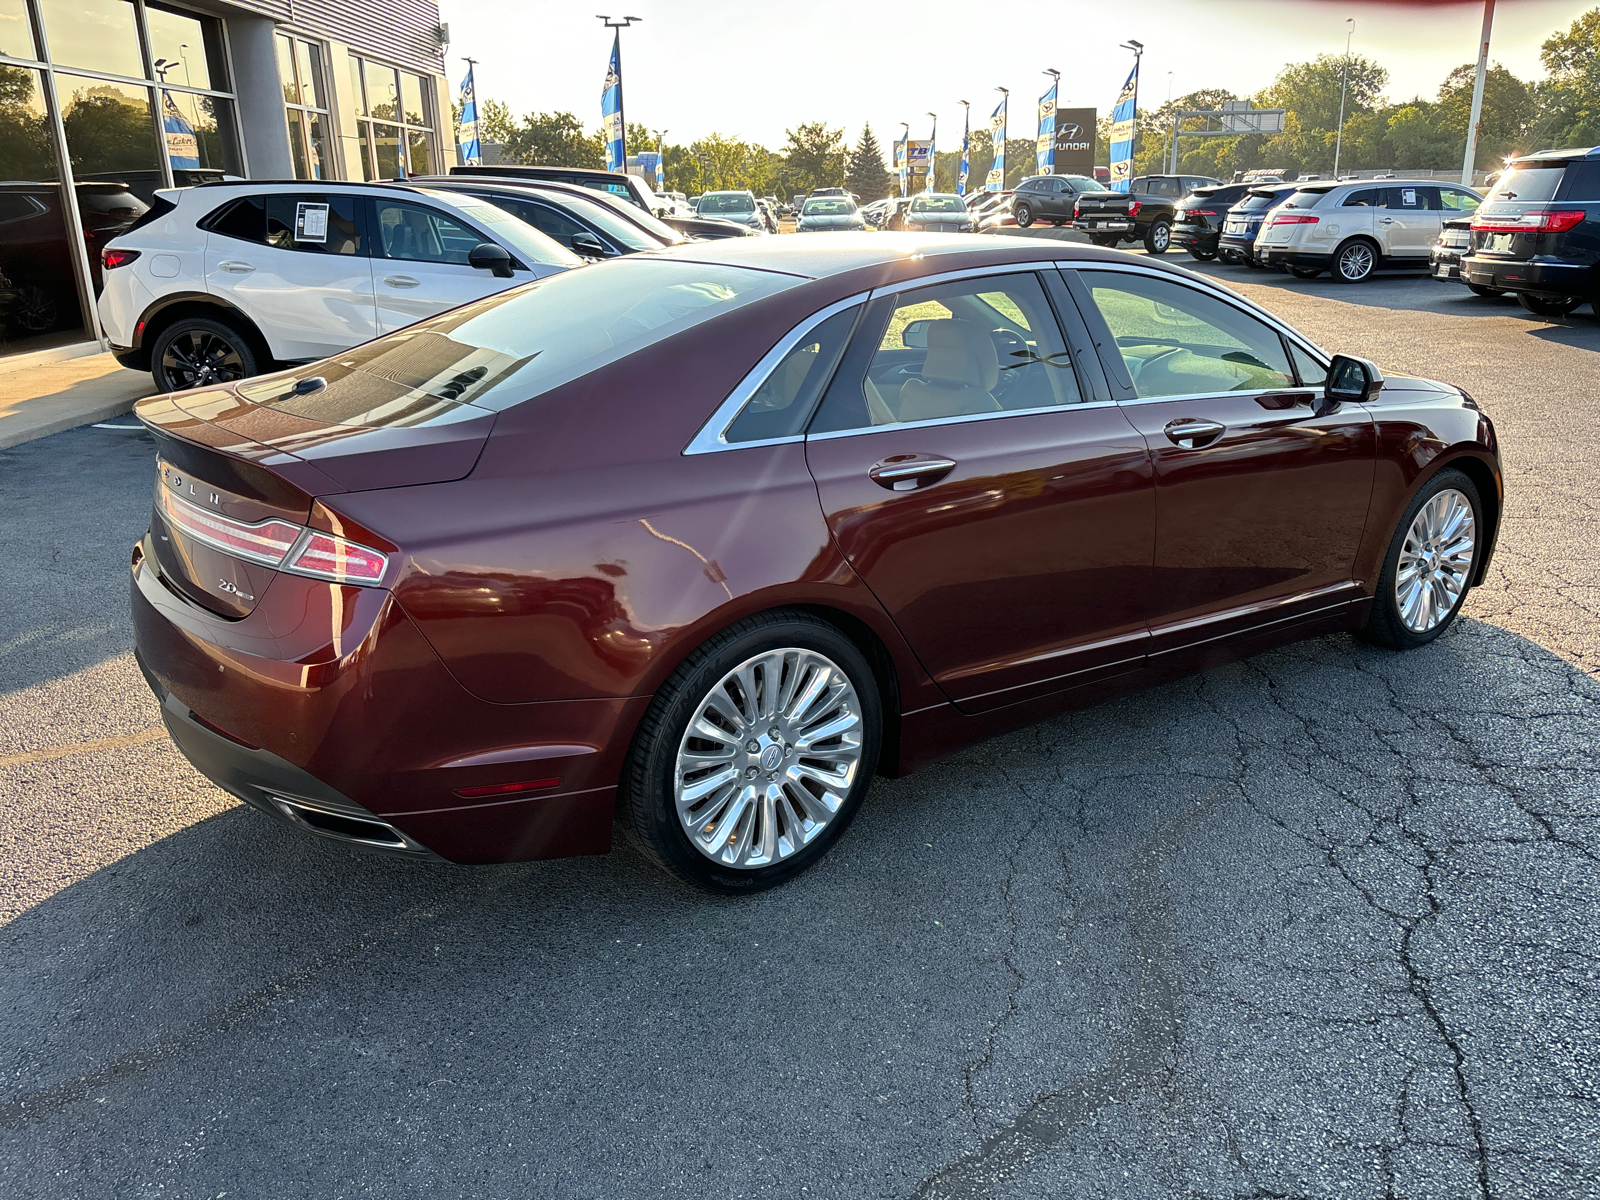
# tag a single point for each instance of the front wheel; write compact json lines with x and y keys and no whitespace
{"x":1024,"y":215}
{"x":1488,"y":293}
{"x":754,"y":756}
{"x":1430,"y":564}
{"x":1548,"y":306}
{"x":1158,"y":238}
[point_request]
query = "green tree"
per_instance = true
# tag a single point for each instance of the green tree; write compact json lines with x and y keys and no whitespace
{"x":866,"y":175}
{"x":1503,"y":123}
{"x":495,"y":122}
{"x":815,"y":156}
{"x":1417,"y":141}
{"x":553,"y":139}
{"x":1310,"y":90}
{"x":106,"y":133}
{"x":1569,"y":99}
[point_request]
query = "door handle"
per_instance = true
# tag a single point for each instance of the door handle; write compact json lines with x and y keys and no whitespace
{"x":401,"y":281}
{"x":235,"y":267}
{"x":907,"y":472}
{"x":1193,"y":432}
{"x":1385,"y":220}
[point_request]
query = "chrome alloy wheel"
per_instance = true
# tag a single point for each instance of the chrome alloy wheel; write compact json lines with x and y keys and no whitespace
{"x":768,"y":758}
{"x":1434,"y":561}
{"x":1356,"y":261}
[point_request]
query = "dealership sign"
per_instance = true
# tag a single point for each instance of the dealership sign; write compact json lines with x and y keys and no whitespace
{"x":1074,"y":136}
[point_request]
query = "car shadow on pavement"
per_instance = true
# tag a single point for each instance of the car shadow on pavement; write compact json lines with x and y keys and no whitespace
{"x":1272,"y":894}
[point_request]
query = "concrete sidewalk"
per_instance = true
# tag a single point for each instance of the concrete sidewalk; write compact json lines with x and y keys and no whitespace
{"x":39,"y":400}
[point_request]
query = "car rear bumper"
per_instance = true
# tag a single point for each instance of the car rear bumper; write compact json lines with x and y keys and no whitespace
{"x":1289,"y":256}
{"x":1203,"y":239}
{"x":1444,"y":264}
{"x":1531,"y":275}
{"x":1241,"y":244}
{"x":1104,"y":225}
{"x":327,"y":708}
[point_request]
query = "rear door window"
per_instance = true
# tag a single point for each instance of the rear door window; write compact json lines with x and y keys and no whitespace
{"x":1457,"y":200}
{"x":1412,"y":199}
{"x":782,"y":403}
{"x":1581,"y":182}
{"x":1365,"y":198}
{"x":307,"y":222}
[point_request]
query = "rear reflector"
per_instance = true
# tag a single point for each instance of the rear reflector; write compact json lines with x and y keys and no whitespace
{"x":1284,"y":218}
{"x":507,"y":789}
{"x":275,"y":543}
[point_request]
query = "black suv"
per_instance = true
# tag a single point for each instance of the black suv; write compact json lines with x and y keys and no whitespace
{"x":1050,"y":198}
{"x":1197,"y":221}
{"x":1538,"y":233}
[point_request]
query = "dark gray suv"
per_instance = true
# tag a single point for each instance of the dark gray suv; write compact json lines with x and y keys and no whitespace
{"x":1050,"y":197}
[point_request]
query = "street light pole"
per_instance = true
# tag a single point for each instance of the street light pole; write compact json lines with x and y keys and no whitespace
{"x":1344,"y":85}
{"x":622,"y":112}
{"x":1470,"y":161}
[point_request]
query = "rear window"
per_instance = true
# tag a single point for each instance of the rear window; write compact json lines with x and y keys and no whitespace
{"x":1306,"y":198}
{"x":1528,"y":185}
{"x":834,"y":207}
{"x":938,"y":204}
{"x":726,"y":204}
{"x":497,"y":352}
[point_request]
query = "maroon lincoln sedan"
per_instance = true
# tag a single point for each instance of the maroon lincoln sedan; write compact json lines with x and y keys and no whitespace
{"x":706,"y":538}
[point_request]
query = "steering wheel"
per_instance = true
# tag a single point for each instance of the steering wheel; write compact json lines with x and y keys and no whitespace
{"x":1156,"y":357}
{"x":1013,"y":354}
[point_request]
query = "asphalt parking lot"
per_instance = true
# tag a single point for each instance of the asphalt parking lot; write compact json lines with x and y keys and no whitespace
{"x":1325,"y":923}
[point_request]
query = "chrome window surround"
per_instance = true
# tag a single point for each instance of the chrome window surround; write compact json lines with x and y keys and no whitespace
{"x":711,"y":437}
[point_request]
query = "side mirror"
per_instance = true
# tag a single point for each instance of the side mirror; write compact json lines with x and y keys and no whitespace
{"x":1351,"y":381}
{"x":588,"y":245}
{"x":915,"y":335}
{"x":486,"y":256}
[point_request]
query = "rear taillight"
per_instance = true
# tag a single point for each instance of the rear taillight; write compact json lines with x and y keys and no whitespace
{"x":1284,"y":218}
{"x":1201,"y":212}
{"x":110,"y":258}
{"x":1532,"y":221}
{"x":1077,"y":210}
{"x":1133,"y":209}
{"x":275,"y":543}
{"x":330,"y":557}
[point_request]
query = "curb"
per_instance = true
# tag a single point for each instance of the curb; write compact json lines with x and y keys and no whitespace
{"x":113,"y":408}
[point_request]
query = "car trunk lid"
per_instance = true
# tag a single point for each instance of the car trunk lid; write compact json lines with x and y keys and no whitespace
{"x":1525,"y":215}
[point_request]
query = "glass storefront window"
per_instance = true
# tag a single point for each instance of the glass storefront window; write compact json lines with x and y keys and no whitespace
{"x":411,"y":94}
{"x":308,"y":61}
{"x":300,"y":66}
{"x":199,"y":133}
{"x":383,"y":96}
{"x":109,"y":127}
{"x":417,"y":156}
{"x":97,"y":35}
{"x":291,"y":87}
{"x":16,"y":35}
{"x":39,"y":305}
{"x":386,"y":147}
{"x":393,"y":124}
{"x":186,"y":50}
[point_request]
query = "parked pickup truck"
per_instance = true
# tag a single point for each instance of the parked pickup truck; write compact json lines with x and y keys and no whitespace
{"x":1144,"y":213}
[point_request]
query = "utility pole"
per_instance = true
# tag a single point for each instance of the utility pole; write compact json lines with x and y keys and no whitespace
{"x":622,"y":112}
{"x":1344,"y":86}
{"x":1471,"y":159}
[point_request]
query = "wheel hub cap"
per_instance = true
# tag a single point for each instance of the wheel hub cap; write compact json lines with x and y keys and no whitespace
{"x":1434,"y":561}
{"x":768,"y":758}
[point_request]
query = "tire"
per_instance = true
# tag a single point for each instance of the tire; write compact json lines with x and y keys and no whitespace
{"x":774,"y":831}
{"x":1200,"y":255}
{"x":1109,"y":243}
{"x":1441,"y":590}
{"x":1354,"y":262}
{"x":1305,"y":272}
{"x":1158,"y":238}
{"x":1024,"y":215}
{"x":1488,"y":293}
{"x":1548,"y":306}
{"x":1056,"y":224}
{"x":199,"y":352}
{"x":1254,"y":264}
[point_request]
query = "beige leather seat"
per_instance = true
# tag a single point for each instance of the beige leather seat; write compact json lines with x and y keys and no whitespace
{"x":957,"y":376}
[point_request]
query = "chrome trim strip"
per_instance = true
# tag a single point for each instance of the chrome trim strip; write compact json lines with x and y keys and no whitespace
{"x":1213,"y":289}
{"x":907,"y":285}
{"x":931,"y":422}
{"x":1309,"y":389}
{"x":711,"y":436}
{"x":1260,"y":608}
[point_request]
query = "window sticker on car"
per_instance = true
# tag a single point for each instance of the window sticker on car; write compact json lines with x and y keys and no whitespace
{"x":1408,"y":197}
{"x":310,"y":222}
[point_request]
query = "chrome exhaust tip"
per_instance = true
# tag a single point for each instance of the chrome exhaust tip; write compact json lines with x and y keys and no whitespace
{"x":353,"y":829}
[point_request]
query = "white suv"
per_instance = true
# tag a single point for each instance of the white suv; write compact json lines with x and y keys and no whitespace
{"x":223,"y":281}
{"x":1353,"y":229}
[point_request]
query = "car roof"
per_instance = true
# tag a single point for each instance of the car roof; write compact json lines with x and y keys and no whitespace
{"x":1558,"y":155}
{"x":816,"y":256}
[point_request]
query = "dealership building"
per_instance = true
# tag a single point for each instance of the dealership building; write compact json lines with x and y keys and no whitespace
{"x":104,"y":101}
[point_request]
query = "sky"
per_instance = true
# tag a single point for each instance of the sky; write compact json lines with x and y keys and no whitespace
{"x":752,"y":68}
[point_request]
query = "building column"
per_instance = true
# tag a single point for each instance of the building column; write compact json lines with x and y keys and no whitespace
{"x":262,"y":125}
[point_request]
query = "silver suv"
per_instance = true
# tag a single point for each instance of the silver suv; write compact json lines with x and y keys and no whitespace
{"x":1354,"y":228}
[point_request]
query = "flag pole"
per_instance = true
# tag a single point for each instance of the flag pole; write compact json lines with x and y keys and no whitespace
{"x":616,"y":52}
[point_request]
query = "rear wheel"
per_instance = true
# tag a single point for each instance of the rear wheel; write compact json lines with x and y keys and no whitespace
{"x":1158,"y":238}
{"x":1355,"y":261}
{"x":754,"y":756}
{"x":199,"y":352}
{"x":1024,"y":213}
{"x":1430,"y":564}
{"x":1548,"y":306}
{"x":1488,"y":293}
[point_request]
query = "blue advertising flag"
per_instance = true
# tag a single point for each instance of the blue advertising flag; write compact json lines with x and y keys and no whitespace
{"x":902,"y":165}
{"x":966,"y":137}
{"x":183,"y":147}
{"x":611,"y":110}
{"x":471,"y":148}
{"x":997,"y":130}
{"x":1122,"y":122}
{"x":1045,"y":147}
{"x":661,"y":165}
